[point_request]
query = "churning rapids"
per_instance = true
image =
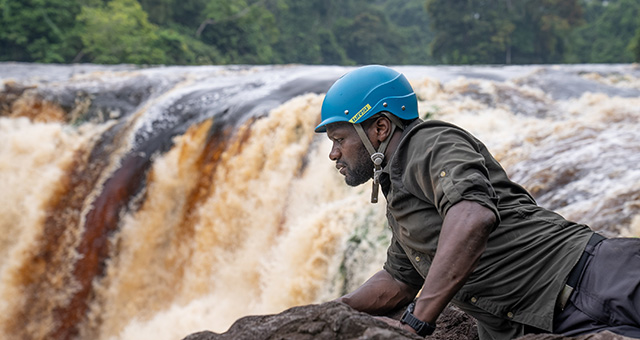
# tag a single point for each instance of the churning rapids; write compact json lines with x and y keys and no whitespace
{"x":157,"y":202}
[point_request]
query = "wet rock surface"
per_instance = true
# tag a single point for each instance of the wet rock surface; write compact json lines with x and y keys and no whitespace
{"x":333,"y":320}
{"x":326,"y":321}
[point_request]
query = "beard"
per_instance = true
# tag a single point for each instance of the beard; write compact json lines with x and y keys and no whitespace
{"x":360,"y":170}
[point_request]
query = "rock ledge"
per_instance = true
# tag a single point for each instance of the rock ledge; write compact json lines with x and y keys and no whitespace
{"x":336,"y":321}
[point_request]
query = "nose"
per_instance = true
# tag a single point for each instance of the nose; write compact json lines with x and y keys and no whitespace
{"x":335,"y":153}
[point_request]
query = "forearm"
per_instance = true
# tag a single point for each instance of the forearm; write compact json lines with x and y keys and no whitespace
{"x":379,"y":295}
{"x":462,"y":241}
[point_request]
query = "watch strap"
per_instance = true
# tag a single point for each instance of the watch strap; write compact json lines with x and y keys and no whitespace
{"x":422,"y":328}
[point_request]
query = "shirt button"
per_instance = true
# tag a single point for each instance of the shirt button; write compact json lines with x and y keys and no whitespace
{"x":474,"y":299}
{"x":417,"y":258}
{"x":443,"y":173}
{"x":510,"y":315}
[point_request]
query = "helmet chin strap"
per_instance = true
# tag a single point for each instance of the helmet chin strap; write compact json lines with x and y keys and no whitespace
{"x":377,"y":156}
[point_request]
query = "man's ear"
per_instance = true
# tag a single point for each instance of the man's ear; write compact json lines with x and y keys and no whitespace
{"x":381,"y":129}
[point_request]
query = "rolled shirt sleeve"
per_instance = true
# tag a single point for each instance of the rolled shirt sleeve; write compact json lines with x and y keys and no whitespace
{"x":448,"y":168}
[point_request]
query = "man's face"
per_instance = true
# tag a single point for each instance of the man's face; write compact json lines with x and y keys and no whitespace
{"x":351,"y":157}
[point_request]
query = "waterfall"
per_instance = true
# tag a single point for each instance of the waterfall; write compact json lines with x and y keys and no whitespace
{"x":156,"y":202}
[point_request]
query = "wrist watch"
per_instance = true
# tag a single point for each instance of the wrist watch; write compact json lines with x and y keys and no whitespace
{"x":421,"y":327}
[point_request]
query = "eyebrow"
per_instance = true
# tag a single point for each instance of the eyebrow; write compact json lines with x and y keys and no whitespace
{"x":339,"y":131}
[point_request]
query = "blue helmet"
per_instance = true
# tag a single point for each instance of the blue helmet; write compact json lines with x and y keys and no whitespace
{"x":365,"y":91}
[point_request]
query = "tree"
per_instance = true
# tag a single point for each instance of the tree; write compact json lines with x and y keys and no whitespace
{"x":242,"y":30}
{"x":411,"y":21}
{"x":505,"y":31}
{"x":550,"y":21}
{"x":608,"y":33}
{"x":183,"y":49}
{"x":369,"y":38}
{"x":38,"y":30}
{"x":470,"y":32}
{"x":160,"y":12}
{"x":119,"y":33}
{"x":343,"y":32}
{"x":306,"y":32}
{"x":634,"y":45}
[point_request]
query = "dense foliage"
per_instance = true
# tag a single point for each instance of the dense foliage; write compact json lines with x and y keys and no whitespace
{"x":502,"y":31}
{"x":611,"y":36}
{"x":343,"y":32}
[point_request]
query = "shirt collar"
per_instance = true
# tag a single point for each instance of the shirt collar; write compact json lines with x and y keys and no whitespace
{"x":406,"y":130}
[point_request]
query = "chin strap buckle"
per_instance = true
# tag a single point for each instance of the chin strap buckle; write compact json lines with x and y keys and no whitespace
{"x":377,"y":159}
{"x":377,"y":156}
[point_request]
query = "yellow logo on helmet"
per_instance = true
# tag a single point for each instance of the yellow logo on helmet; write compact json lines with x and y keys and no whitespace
{"x":360,"y":113}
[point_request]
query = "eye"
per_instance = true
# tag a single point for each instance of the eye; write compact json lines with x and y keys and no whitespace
{"x":336,"y":139}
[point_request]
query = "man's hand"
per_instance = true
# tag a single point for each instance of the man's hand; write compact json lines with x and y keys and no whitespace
{"x":396,"y":323}
{"x":379,"y":295}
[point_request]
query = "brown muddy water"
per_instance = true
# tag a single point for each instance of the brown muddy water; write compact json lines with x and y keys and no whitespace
{"x":157,"y":202}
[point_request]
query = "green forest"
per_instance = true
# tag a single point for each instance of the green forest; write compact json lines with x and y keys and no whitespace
{"x":336,"y":32}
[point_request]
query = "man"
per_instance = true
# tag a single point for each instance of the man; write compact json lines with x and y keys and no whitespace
{"x":463,"y":232}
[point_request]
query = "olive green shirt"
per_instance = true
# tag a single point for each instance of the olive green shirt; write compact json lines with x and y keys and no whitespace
{"x":530,"y":250}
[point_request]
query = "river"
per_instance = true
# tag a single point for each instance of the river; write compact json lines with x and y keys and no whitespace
{"x":157,"y":202}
